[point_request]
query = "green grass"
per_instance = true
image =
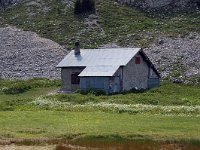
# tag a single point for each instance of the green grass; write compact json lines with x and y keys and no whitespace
{"x":53,"y":124}
{"x":167,"y":94}
{"x":37,"y":87}
{"x":170,"y":112}
{"x":120,"y":24}
{"x":169,"y":98}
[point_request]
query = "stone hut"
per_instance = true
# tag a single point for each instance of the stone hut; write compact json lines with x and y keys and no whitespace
{"x":111,"y":70}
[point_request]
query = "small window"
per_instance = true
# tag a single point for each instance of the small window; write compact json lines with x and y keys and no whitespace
{"x":137,"y":60}
{"x":75,"y":79}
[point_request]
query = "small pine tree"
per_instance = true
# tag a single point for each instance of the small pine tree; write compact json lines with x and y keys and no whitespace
{"x":91,"y":6}
{"x":84,"y":6}
{"x":2,"y":4}
{"x":78,"y":7}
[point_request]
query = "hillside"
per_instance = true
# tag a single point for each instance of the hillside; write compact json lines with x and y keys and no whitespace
{"x":115,"y":23}
{"x":171,"y":41}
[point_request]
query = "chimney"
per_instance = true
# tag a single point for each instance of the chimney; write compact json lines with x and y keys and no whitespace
{"x":77,"y":48}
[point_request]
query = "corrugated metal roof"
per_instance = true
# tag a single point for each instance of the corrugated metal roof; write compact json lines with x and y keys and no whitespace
{"x":99,"y":71}
{"x":99,"y":57}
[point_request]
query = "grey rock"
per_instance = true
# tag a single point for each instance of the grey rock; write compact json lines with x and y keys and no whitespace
{"x":179,"y":55}
{"x":149,"y":5}
{"x":24,"y":55}
{"x":6,"y":3}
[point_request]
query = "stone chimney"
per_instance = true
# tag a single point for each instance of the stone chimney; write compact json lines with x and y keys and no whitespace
{"x":77,"y":48}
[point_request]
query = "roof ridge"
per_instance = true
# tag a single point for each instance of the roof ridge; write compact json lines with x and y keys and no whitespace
{"x":96,"y":57}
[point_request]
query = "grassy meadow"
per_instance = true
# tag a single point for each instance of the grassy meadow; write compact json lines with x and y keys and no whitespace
{"x":61,"y":124}
{"x":32,"y":109}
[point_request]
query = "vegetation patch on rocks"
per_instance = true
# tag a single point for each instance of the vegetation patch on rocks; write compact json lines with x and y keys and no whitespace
{"x":164,"y":7}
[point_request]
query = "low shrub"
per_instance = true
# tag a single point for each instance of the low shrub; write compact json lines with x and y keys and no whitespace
{"x":21,"y":86}
{"x":96,"y":92}
{"x":84,"y":6}
{"x":41,"y":82}
{"x":17,"y":88}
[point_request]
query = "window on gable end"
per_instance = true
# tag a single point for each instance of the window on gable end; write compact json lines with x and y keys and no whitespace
{"x":137,"y":60}
{"x":75,"y":79}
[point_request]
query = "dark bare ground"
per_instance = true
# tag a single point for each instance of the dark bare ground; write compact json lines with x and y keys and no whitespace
{"x":60,"y":144}
{"x":101,"y":147}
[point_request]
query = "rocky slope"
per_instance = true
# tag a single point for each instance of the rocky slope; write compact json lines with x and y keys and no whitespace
{"x":177,"y":58}
{"x":25,"y":55}
{"x":7,"y":3}
{"x":144,"y":4}
{"x":164,"y":5}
